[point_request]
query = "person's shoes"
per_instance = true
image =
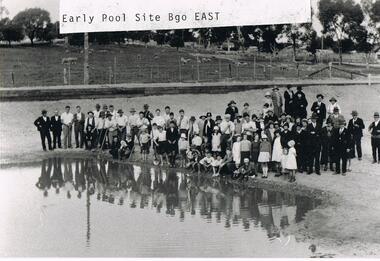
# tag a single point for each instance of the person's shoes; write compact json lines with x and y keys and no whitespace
{"x":309,"y":172}
{"x":337,"y":172}
{"x":318,"y":172}
{"x":44,"y":149}
{"x":51,"y":148}
{"x":77,"y":146}
{"x":277,"y":175}
{"x":360,"y":158}
{"x":344,"y":174}
{"x":373,"y":162}
{"x":325,"y":168}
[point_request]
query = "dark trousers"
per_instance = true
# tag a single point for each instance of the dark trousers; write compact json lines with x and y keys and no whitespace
{"x":45,"y":135}
{"x":375,"y":143}
{"x":224,"y":143}
{"x":134,"y":133}
{"x":341,"y":155}
{"x":79,"y":135}
{"x":101,"y":137}
{"x":57,"y":139}
{"x":302,"y":158}
{"x":314,"y":158}
{"x":358,"y":145}
{"x":91,"y":140}
{"x":122,"y":133}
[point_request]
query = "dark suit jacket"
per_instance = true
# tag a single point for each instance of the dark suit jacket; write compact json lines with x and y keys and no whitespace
{"x":56,"y":125}
{"x":42,"y":125}
{"x":208,"y":130}
{"x":319,"y":110}
{"x":354,"y":130}
{"x":315,"y":134}
{"x":172,"y":135}
{"x":79,"y":124}
{"x":340,"y":141}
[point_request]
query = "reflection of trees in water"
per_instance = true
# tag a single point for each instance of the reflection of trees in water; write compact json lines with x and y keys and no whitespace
{"x":180,"y":194}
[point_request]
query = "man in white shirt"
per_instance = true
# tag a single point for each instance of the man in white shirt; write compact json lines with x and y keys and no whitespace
{"x":96,"y":111}
{"x":67,"y":124}
{"x":132,"y":121}
{"x":227,"y":129}
{"x":183,"y":122}
{"x":122,"y":122}
{"x":158,"y":119}
{"x":112,"y":111}
{"x":111,"y":126}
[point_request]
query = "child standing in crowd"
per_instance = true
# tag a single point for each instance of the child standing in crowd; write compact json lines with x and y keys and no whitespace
{"x":245,"y":148}
{"x":183,"y":146}
{"x":217,"y":164}
{"x":197,"y":142}
{"x":236,"y":150}
{"x":277,"y":152}
{"x":160,"y":143}
{"x":264,"y":156}
{"x":144,"y":143}
{"x":255,"y":150}
{"x":154,"y":137}
{"x":215,"y":140}
{"x":284,"y":158}
{"x":291,"y":161}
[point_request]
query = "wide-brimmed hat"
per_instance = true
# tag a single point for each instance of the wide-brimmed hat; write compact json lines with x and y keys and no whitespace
{"x":376,"y":114}
{"x":246,"y":104}
{"x":120,"y":111}
{"x":208,"y":114}
{"x":227,"y":116}
{"x":90,"y":112}
{"x":267,"y":94}
{"x":97,"y":105}
{"x":291,"y":143}
{"x":132,"y":110}
{"x":218,"y":118}
{"x":146,"y":106}
{"x":246,"y":160}
{"x":264,"y":136}
{"x":192,"y":118}
{"x":183,"y":135}
{"x":43,"y":111}
{"x":314,"y":116}
{"x":275,"y":88}
{"x":320,"y":95}
{"x":202,"y":116}
{"x":299,"y":88}
{"x":108,"y":114}
{"x":231,"y":102}
{"x":336,"y":109}
{"x":332,"y":99}
{"x":354,"y":113}
{"x":216,"y":128}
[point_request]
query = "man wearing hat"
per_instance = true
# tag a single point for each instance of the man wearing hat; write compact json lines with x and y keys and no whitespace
{"x":56,"y":128}
{"x":158,"y":119}
{"x":319,"y":108}
{"x":132,"y":122}
{"x":78,"y":120}
{"x":193,"y":128}
{"x":314,"y":136}
{"x":341,"y":139}
{"x":121,"y":122}
{"x":227,"y":129}
{"x":183,"y":122}
{"x":97,"y":111}
{"x":374,"y":129}
{"x":90,"y":131}
{"x":111,"y":126}
{"x":335,"y":118}
{"x":43,"y":125}
{"x":270,"y":117}
{"x":67,"y":124}
{"x":356,"y":127}
{"x":232,"y":110}
{"x":276,"y":101}
{"x":208,"y":129}
{"x":333,"y":104}
{"x":201,"y":124}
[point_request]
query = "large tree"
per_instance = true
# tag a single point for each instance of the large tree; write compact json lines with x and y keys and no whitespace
{"x":33,"y":20}
{"x":340,"y":18}
{"x":10,"y":32}
{"x":296,"y":35}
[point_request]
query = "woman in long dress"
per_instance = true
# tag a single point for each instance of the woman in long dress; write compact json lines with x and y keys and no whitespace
{"x":236,"y":150}
{"x":277,"y":152}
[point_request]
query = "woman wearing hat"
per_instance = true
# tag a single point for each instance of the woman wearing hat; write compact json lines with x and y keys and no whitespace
{"x":333,"y":104}
{"x":265,"y":154}
{"x":268,"y":100}
{"x":300,"y":105}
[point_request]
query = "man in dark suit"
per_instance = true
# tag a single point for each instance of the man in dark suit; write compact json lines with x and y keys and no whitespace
{"x":232,"y":110}
{"x":78,"y":120}
{"x":43,"y":126}
{"x":208,"y":128}
{"x":300,"y":104}
{"x":374,"y":129}
{"x":340,"y":141}
{"x":288,"y":97}
{"x":314,"y":132}
{"x":56,"y":128}
{"x":319,"y":108}
{"x":172,"y":137}
{"x":355,"y":127}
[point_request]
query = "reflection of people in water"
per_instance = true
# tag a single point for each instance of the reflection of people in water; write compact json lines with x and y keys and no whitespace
{"x":80,"y":181}
{"x":68,"y":184}
{"x":171,"y":185}
{"x":57,"y":177}
{"x":44,"y":181}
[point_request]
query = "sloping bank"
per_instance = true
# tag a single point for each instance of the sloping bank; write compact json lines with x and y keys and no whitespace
{"x":345,"y":224}
{"x":44,"y":93}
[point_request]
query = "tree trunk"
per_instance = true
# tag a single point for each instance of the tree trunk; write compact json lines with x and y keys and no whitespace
{"x":340,"y":52}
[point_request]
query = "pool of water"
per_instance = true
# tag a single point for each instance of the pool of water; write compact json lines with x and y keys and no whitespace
{"x":91,"y":207}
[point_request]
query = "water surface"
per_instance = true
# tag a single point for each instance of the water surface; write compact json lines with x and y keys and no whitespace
{"x":90,"y":207}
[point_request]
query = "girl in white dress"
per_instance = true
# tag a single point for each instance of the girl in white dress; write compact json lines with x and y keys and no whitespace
{"x":215,"y":140}
{"x":291,"y":161}
{"x":277,"y":152}
{"x":236,"y":150}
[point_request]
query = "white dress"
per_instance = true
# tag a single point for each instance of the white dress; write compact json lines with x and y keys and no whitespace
{"x":277,"y":150}
{"x":236,"y":152}
{"x":215,"y":142}
{"x":291,"y":161}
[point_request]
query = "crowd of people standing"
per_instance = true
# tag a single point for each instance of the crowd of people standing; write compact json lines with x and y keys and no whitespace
{"x":285,"y":136}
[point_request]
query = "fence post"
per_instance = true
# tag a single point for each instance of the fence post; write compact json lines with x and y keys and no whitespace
{"x":230,"y":69}
{"x":110,"y":74}
{"x":198,"y":73}
{"x":237,"y":71}
{"x":151,"y":73}
{"x":13,"y":79}
{"x":369,"y":79}
{"x":220,"y":69}
{"x":69,"y":73}
{"x":114,"y":69}
{"x":270,"y":69}
{"x":180,"y":71}
{"x":254,"y":67}
{"x":330,"y":69}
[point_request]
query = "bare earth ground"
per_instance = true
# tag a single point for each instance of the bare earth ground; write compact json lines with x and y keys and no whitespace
{"x":349,"y":225}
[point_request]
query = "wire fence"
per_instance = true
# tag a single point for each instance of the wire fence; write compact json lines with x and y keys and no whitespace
{"x":112,"y":70}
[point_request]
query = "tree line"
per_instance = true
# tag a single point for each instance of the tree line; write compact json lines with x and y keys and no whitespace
{"x":346,"y":26}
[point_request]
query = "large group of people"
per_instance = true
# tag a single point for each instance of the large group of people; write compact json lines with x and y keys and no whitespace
{"x":285,"y":136}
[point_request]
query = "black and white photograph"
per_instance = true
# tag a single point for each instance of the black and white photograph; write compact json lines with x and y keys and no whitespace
{"x":190,"y":129}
